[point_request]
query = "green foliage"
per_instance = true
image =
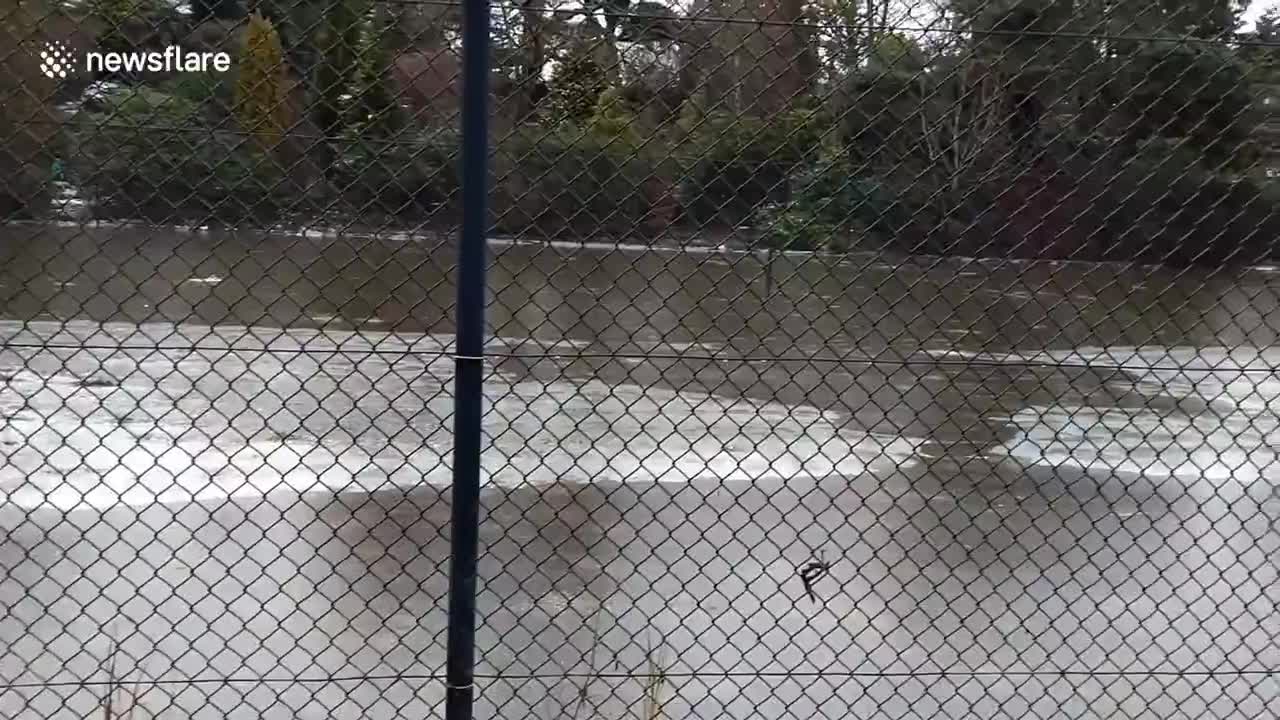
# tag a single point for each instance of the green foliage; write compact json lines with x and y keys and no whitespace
{"x":567,"y":183}
{"x":832,"y":208}
{"x":414,"y":173}
{"x":1008,"y":15}
{"x":893,"y":52}
{"x":200,"y":88}
{"x":293,"y":22}
{"x":735,"y":164}
{"x":788,"y":226}
{"x":335,"y":40}
{"x":374,"y":108}
{"x":218,"y":9}
{"x":648,"y":22}
{"x":924,"y":158}
{"x":28,"y":127}
{"x":114,"y":14}
{"x":576,"y":86}
{"x":131,"y":172}
{"x":1202,"y":18}
{"x":140,"y":106}
{"x":612,"y":118}
{"x":1161,"y":204}
{"x":880,"y":123}
{"x":260,"y":101}
{"x":1191,"y":91}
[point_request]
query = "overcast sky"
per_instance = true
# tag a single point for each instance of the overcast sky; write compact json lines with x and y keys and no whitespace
{"x":1256,"y":8}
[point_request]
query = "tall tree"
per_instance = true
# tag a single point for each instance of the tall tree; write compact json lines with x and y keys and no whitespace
{"x":1264,"y":69}
{"x":530,"y":87}
{"x":1203,"y":18}
{"x":1267,"y":27}
{"x":261,"y":104}
{"x":576,"y":86}
{"x":755,"y":64}
{"x":28,"y":123}
{"x":377,"y":107}
{"x":1196,"y":18}
{"x":849,"y":32}
{"x":336,"y":41}
{"x":789,"y":62}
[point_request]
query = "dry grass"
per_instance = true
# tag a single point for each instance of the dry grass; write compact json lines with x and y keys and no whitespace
{"x":655,"y":684}
{"x":120,"y":701}
{"x":654,"y":678}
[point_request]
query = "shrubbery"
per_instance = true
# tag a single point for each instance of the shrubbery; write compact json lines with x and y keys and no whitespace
{"x":576,"y":87}
{"x":216,"y":170}
{"x":374,"y":109}
{"x":573,"y":182}
{"x":602,"y":180}
{"x":213,"y":93}
{"x":135,"y":173}
{"x":408,"y":175}
{"x":895,"y":172}
{"x":208,"y":170}
{"x":28,"y":131}
{"x":1182,"y":91}
{"x":141,"y":106}
{"x":832,"y":208}
{"x":732,"y":166}
{"x":1160,"y":206}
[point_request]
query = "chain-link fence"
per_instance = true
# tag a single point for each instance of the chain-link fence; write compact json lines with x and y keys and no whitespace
{"x":842,"y":359}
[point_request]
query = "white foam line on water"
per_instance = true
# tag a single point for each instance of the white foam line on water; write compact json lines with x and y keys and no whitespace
{"x":181,"y":433}
{"x":1235,"y":441}
{"x":1146,"y":443}
{"x":1171,"y":360}
{"x":256,"y":338}
{"x":155,"y":472}
{"x":903,"y":262}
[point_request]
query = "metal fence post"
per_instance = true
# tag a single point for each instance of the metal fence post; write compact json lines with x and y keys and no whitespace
{"x":464,"y":535}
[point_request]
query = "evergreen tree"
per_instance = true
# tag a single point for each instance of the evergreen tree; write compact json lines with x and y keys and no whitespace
{"x":374,"y":100}
{"x":260,"y":102}
{"x":576,"y":85}
{"x":335,"y":42}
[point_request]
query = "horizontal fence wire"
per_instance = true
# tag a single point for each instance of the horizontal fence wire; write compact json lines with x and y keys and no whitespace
{"x":440,"y":676}
{"x":649,"y":356}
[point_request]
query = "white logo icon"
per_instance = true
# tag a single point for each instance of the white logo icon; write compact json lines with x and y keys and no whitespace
{"x":55,"y":60}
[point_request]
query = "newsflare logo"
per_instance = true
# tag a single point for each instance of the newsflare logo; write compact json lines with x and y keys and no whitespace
{"x":56,"y":61}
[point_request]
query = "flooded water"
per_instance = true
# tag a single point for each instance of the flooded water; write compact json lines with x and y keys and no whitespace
{"x":1043,"y":488}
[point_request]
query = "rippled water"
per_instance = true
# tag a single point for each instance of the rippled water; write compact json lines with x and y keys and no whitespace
{"x":234,"y":450}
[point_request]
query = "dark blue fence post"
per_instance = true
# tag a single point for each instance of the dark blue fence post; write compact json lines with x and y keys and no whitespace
{"x":469,"y":348}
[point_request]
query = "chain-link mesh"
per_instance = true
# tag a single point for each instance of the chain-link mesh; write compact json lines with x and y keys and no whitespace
{"x":847,"y":359}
